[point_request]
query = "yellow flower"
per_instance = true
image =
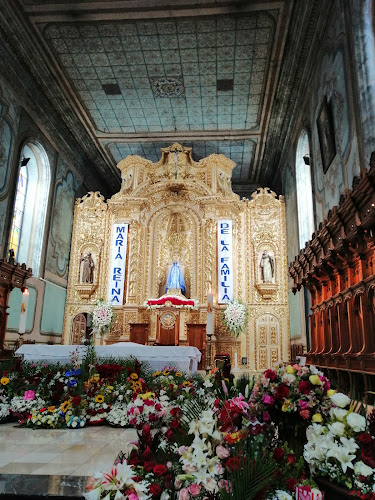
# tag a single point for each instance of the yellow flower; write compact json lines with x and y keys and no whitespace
{"x":95,"y":378}
{"x":315,"y":380}
{"x":146,"y":395}
{"x":285,"y":405}
{"x":178,"y":374}
{"x":331,"y":392}
{"x":51,"y":408}
{"x":290,"y":369}
{"x":156,"y":374}
{"x":99,"y":398}
{"x":110,"y":388}
{"x":165,"y":372}
{"x":133,"y":376}
{"x":317,"y":418}
{"x":65,"y":406}
{"x":4,"y":381}
{"x":186,"y":383}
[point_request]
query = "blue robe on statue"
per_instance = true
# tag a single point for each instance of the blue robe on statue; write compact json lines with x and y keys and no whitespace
{"x":175,"y":278}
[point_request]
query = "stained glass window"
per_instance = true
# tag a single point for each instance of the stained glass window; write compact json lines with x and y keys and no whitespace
{"x":19,"y":208}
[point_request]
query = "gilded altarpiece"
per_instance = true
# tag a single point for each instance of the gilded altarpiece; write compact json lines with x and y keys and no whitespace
{"x":172,"y":208}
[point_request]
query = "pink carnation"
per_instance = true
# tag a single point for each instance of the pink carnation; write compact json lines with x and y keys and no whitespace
{"x":194,"y":489}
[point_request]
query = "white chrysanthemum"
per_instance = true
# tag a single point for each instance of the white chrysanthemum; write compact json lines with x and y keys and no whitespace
{"x":356,"y":422}
{"x":339,"y":399}
{"x":337,"y":428}
{"x":362,"y":469}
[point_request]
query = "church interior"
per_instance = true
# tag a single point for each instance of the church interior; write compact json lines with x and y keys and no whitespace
{"x":222,"y":150}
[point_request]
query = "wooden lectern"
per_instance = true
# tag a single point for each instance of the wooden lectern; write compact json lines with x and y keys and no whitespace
{"x":168,"y":326}
{"x":139,"y":333}
{"x":11,"y":276}
{"x":196,"y":336}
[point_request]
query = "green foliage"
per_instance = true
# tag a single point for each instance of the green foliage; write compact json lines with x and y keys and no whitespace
{"x":251,"y":473}
{"x":243,"y":381}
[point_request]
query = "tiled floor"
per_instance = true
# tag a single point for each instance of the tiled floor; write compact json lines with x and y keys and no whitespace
{"x":77,"y":452}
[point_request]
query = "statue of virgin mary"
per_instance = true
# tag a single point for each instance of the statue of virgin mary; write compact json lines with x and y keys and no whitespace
{"x":175,"y":279}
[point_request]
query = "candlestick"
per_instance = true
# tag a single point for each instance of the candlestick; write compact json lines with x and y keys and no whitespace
{"x":209,"y":328}
{"x":23,"y":313}
{"x":210,"y":313}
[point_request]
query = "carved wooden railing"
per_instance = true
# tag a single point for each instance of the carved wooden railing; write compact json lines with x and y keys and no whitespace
{"x":338,"y":268}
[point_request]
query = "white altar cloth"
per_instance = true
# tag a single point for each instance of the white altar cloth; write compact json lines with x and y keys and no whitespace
{"x":183,"y":358}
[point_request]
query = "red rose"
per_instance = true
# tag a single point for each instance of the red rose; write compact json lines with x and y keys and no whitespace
{"x":291,"y":483}
{"x":170,"y":435}
{"x":159,"y":470}
{"x":304,"y":387}
{"x":291,"y":458}
{"x":271,"y":375}
{"x":100,"y":411}
{"x":148,"y":466}
{"x":281,"y":392}
{"x":175,"y":424}
{"x":176,"y":412}
{"x":365,"y":437}
{"x":234,"y":463}
{"x":76,"y":400}
{"x":278,"y":454}
{"x":155,"y":490}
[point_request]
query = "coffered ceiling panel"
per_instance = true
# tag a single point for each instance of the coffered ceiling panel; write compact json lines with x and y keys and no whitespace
{"x":168,"y":75}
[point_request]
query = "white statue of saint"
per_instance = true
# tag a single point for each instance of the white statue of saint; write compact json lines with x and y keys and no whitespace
{"x":267,"y":267}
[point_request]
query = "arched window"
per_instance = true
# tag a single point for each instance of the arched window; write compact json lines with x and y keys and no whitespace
{"x":19,"y":208}
{"x":304,"y":190}
{"x":30,"y":207}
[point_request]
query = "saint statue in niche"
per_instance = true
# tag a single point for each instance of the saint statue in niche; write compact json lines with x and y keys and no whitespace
{"x":88,"y":266}
{"x":175,"y":279}
{"x":267,"y":267}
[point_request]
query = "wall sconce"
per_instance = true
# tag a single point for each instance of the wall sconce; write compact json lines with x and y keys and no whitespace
{"x":24,"y":161}
{"x":306,"y":159}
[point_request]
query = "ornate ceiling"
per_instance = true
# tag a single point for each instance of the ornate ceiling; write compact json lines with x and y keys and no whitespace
{"x":130,"y":77}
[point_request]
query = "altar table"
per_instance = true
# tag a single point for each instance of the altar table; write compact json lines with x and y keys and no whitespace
{"x":183,"y":358}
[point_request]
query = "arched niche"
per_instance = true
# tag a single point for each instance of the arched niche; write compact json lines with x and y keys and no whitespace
{"x":174,"y":232}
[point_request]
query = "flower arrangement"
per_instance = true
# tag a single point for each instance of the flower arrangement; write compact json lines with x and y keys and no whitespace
{"x":215,"y":437}
{"x":102,"y":316}
{"x":48,"y":418}
{"x":341,"y":449}
{"x":294,"y":397}
{"x":176,"y":300}
{"x":234,"y":317}
{"x":23,"y":406}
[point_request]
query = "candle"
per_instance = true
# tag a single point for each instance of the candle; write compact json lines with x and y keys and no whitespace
{"x":23,"y":314}
{"x":235,"y":360}
{"x":210,"y":313}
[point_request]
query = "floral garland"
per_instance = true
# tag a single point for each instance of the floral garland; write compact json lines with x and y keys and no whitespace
{"x":102,"y":316}
{"x":178,"y":302}
{"x":234,"y":317}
